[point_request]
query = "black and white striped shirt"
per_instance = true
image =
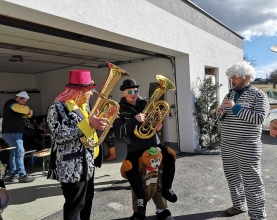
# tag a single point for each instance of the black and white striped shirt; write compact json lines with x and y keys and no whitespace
{"x":245,"y":124}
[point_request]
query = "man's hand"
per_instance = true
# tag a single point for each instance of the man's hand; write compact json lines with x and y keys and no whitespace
{"x":273,"y":128}
{"x":97,"y":123}
{"x":219,"y":110}
{"x":31,"y":112}
{"x":228,"y":104}
{"x":159,"y":127}
{"x":140,"y":117}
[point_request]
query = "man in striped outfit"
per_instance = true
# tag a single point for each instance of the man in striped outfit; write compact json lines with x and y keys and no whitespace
{"x":245,"y":109}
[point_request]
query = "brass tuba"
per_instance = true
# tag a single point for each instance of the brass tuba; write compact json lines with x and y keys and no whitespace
{"x":155,"y":110}
{"x":107,"y":108}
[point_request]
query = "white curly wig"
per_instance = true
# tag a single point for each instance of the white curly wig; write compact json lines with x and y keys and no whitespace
{"x":241,"y":69}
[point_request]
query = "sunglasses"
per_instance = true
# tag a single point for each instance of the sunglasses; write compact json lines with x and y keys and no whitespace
{"x":130,"y":92}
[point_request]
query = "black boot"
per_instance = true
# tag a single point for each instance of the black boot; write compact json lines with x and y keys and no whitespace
{"x":164,"y":215}
{"x":137,"y":216}
{"x":141,"y":207}
{"x":169,"y":195}
{"x":168,"y":175}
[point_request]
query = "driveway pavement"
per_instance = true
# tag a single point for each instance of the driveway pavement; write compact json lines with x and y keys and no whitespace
{"x":201,"y":188}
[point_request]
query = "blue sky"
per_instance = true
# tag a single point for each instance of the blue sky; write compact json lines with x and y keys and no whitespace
{"x":256,"y":21}
{"x":258,"y":49}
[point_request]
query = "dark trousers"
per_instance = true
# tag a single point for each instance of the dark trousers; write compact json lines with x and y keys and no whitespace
{"x":78,"y":200}
{"x":135,"y":179}
{"x":133,"y":175}
{"x":168,"y":168}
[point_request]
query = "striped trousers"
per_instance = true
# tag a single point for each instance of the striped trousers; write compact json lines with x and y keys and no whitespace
{"x":242,"y":168}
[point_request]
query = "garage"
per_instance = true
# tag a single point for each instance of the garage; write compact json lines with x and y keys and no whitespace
{"x":37,"y":59}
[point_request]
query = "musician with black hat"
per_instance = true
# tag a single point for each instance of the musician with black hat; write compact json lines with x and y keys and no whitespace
{"x":131,"y":106}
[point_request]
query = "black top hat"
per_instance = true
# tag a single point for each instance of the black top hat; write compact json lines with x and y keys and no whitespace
{"x":128,"y":83}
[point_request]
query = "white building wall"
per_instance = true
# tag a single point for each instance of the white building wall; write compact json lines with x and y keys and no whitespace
{"x":135,"y":23}
{"x":140,"y":24}
{"x":12,"y":82}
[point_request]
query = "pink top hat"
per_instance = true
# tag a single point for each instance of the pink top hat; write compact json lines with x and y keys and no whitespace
{"x":80,"y":78}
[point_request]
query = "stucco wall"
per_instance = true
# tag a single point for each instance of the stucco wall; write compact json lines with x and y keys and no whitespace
{"x":135,"y":23}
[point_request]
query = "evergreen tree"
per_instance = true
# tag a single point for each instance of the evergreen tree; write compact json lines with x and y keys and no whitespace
{"x":205,"y":107}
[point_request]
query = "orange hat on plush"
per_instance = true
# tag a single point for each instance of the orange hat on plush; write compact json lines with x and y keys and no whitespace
{"x":152,"y":157}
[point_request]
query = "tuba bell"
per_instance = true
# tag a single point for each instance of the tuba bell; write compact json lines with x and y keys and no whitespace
{"x":155,"y":110}
{"x":107,"y":108}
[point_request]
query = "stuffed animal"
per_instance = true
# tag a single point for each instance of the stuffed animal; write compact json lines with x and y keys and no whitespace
{"x":151,"y":158}
{"x":150,"y":169}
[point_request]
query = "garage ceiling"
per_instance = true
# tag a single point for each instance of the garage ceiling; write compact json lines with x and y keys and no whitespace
{"x":29,"y":52}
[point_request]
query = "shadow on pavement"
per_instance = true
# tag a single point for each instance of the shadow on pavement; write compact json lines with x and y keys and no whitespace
{"x":267,"y":139}
{"x":104,"y":183}
{"x":116,"y":188}
{"x":197,"y":216}
{"x":32,"y":193}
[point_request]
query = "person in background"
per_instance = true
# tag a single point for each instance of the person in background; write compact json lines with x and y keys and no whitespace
{"x":241,"y":148}
{"x":12,"y":132}
{"x":71,"y":163}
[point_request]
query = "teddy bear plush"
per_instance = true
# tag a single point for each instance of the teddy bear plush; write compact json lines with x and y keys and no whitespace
{"x":150,"y":169}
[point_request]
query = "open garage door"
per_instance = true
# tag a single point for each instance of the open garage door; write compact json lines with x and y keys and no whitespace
{"x":35,"y":57}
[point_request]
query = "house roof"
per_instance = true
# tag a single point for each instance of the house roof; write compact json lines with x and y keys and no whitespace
{"x":210,"y":16}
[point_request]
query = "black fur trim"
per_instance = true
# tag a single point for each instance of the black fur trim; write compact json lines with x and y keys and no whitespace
{"x":137,"y":216}
{"x":163,"y":215}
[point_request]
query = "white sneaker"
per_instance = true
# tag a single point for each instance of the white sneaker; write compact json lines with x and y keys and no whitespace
{"x":15,"y":179}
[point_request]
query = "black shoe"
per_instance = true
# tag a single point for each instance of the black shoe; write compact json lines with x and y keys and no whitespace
{"x":137,"y":216}
{"x":233,"y":211}
{"x":169,"y":195}
{"x":164,"y":215}
{"x":26,"y":179}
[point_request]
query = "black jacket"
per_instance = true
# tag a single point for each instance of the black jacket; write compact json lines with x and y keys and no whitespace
{"x":12,"y":121}
{"x":124,"y":126}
